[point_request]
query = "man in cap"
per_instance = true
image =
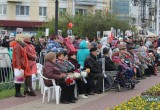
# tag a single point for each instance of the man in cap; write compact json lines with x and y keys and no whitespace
{"x":96,"y":72}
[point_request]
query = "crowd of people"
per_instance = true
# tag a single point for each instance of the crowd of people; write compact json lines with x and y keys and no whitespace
{"x":133,"y":58}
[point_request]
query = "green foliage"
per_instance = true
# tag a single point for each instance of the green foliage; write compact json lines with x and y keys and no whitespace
{"x":7,"y":93}
{"x":87,"y":25}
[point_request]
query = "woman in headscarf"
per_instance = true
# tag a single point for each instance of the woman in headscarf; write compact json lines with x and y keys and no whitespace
{"x":31,"y":55}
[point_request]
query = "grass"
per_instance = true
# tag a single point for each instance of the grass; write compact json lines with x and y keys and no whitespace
{"x":7,"y":93}
{"x":7,"y":90}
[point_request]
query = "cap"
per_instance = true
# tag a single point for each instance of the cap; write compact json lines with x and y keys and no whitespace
{"x":93,"y":49}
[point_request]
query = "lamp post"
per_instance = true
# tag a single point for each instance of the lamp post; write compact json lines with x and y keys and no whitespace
{"x":56,"y":17}
{"x":143,"y":4}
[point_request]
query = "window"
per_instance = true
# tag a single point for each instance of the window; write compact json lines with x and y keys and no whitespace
{"x":81,"y":11}
{"x":62,"y":11}
{"x":22,"y":10}
{"x":3,"y":9}
{"x":42,"y":11}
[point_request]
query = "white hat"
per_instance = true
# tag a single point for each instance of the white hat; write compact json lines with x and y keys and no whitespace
{"x":104,"y":41}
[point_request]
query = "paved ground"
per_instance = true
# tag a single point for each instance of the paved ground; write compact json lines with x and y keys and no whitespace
{"x":96,"y":102}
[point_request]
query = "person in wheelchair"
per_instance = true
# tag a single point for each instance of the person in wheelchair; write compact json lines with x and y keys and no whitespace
{"x":111,"y":66}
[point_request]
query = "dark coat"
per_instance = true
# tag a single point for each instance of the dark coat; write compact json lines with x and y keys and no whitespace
{"x":51,"y":71}
{"x":39,"y":47}
{"x":75,"y":63}
{"x":93,"y":64}
{"x":109,"y":64}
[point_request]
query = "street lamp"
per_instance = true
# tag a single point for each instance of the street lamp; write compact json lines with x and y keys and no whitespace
{"x":143,"y":4}
{"x":56,"y":17}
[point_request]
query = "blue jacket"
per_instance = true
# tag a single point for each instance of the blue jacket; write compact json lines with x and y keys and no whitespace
{"x":53,"y":46}
{"x":82,"y":53}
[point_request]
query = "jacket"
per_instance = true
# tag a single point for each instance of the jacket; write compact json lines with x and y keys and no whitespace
{"x":51,"y":71}
{"x":109,"y":64}
{"x":65,"y":66}
{"x":75,"y":63}
{"x":82,"y":53}
{"x":31,"y":54}
{"x":70,"y":46}
{"x":19,"y":57}
{"x":53,"y":46}
{"x":93,"y":64}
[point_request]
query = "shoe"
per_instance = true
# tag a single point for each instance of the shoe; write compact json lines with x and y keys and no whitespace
{"x":148,"y":75}
{"x":26,"y":92}
{"x":72,"y":101}
{"x":135,"y":82}
{"x":98,"y":92}
{"x":75,"y":98}
{"x":142,"y":77}
{"x":82,"y":96}
{"x":32,"y":94}
{"x":127,"y":84}
{"x":90,"y":93}
{"x":85,"y":94}
{"x":65,"y":102}
{"x":19,"y":95}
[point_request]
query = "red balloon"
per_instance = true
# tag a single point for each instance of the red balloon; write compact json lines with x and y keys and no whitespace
{"x":70,"y":25}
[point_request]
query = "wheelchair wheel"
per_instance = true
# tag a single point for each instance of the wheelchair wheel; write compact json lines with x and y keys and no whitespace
{"x":132,"y":86}
{"x":118,"y":87}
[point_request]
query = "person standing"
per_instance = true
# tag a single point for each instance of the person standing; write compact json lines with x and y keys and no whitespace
{"x":19,"y":60}
{"x":31,"y":55}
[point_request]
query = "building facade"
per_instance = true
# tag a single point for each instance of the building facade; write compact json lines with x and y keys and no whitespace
{"x":144,"y":14}
{"x":120,"y":8}
{"x":33,"y":13}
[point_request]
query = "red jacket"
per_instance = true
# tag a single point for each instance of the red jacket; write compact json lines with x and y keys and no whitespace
{"x":31,"y":54}
{"x":19,"y":58}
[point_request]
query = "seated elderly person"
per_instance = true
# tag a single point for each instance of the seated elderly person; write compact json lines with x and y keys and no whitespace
{"x":53,"y":45}
{"x":111,"y":66}
{"x":65,"y":66}
{"x":81,"y":81}
{"x":92,"y":63}
{"x":51,"y":71}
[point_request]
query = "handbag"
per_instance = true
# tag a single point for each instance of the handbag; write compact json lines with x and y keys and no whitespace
{"x":18,"y":76}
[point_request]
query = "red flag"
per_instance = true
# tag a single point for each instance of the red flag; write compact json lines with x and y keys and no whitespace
{"x":111,"y":37}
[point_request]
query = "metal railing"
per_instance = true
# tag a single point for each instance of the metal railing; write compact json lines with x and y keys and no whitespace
{"x":41,"y":57}
{"x":6,"y":71}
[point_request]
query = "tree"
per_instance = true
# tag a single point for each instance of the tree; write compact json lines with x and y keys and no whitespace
{"x":87,"y":25}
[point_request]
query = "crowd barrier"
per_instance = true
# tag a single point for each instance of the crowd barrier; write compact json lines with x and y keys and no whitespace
{"x":6,"y":71}
{"x":41,"y":57}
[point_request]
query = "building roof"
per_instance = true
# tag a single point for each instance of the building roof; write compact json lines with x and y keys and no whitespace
{"x":22,"y":24}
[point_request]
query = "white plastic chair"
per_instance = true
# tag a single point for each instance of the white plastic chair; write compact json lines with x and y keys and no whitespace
{"x":35,"y":79}
{"x":39,"y":71}
{"x":54,"y":91}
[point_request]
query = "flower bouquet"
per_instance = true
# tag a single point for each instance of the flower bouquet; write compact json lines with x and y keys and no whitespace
{"x":69,"y":81}
{"x":84,"y":74}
